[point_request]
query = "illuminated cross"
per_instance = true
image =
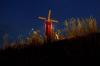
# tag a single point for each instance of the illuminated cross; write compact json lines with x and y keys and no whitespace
{"x":48,"y":26}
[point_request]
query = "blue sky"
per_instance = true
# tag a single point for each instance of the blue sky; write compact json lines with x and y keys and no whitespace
{"x":19,"y":16}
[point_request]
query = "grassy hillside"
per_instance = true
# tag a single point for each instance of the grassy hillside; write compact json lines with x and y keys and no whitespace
{"x":75,"y":50}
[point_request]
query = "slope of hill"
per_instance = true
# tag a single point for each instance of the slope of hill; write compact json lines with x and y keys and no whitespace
{"x":66,"y":51}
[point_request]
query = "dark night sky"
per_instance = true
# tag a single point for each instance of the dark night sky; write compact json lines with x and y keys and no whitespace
{"x":19,"y":16}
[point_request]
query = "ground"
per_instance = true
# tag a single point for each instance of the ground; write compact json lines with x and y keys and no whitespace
{"x":75,"y":51}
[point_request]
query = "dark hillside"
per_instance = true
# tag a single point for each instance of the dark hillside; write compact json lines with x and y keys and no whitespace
{"x":78,"y":50}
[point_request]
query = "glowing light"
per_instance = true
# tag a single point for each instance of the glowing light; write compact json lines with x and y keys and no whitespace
{"x":32,"y":29}
{"x":57,"y":36}
{"x":48,"y":25}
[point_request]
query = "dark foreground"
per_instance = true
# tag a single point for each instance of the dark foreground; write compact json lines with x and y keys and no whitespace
{"x":75,"y":51}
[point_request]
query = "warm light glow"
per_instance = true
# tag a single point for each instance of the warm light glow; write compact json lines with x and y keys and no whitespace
{"x":48,"y":26}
